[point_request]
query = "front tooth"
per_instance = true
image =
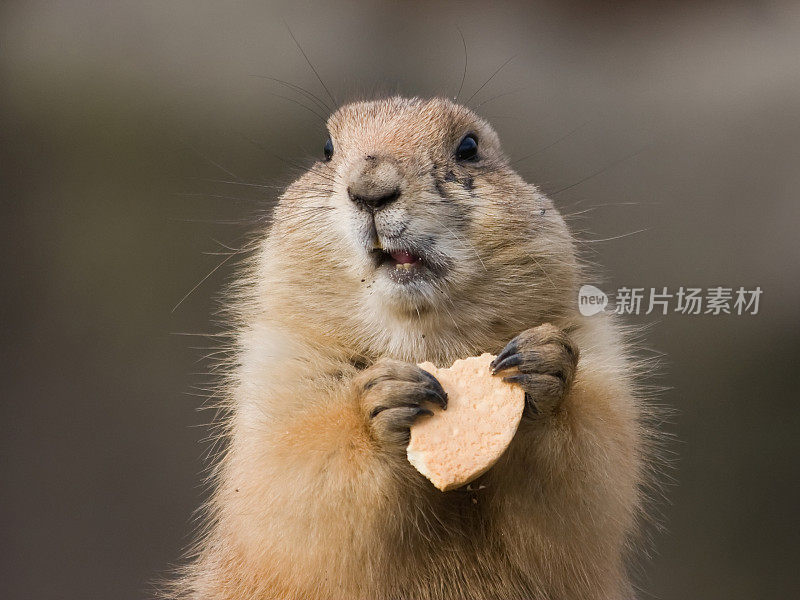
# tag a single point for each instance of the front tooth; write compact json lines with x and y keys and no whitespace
{"x":405,"y":266}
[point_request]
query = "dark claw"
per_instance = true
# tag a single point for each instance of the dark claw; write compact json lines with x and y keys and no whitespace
{"x":511,"y":348}
{"x":423,"y":411}
{"x":514,"y":360}
{"x":373,"y":382}
{"x":418,"y":410}
{"x":518,"y":379}
{"x":376,"y":411}
{"x":436,"y":386}
{"x":436,"y":397}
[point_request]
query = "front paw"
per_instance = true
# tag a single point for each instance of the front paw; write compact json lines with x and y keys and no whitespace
{"x":544,"y":359}
{"x":393,"y":395}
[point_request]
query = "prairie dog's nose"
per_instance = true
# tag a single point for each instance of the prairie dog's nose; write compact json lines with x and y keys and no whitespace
{"x":375,"y":182}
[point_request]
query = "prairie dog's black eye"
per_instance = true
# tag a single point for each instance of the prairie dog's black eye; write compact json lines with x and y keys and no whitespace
{"x":468,"y":148}
{"x":328,"y":149}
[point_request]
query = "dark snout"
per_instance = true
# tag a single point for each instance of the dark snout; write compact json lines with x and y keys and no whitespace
{"x":375,"y":183}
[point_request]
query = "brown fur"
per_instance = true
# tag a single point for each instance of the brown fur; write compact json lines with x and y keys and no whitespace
{"x":311,"y":501}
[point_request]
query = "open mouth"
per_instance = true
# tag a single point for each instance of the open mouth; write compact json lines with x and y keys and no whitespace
{"x":402,"y":266}
{"x":400,"y":259}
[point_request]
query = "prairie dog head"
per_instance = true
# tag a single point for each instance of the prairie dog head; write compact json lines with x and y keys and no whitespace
{"x":414,"y":213}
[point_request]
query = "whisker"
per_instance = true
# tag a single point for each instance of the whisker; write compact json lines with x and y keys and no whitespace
{"x":311,"y":96}
{"x":211,"y":162}
{"x":600,"y":171}
{"x":199,"y":283}
{"x":297,"y":166}
{"x":212,"y":221}
{"x":542,"y":269}
{"x":595,"y":207}
{"x":220,"y":196}
{"x":498,"y":96}
{"x":242,"y":183}
{"x":493,"y":117}
{"x":581,"y":201}
{"x":616,"y":237}
{"x":300,"y":104}
{"x":550,"y":145}
{"x":500,"y":68}
{"x":464,"y":74}
{"x":200,"y":334}
{"x":299,"y":47}
{"x":242,"y":249}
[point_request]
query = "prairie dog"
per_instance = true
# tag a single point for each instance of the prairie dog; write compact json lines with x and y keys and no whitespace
{"x":411,"y":240}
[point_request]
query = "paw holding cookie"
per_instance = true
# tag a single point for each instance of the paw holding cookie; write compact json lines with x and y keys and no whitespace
{"x":542,"y":360}
{"x":487,"y":397}
{"x":393,"y":395}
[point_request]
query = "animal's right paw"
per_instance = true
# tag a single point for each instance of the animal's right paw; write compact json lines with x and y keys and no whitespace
{"x":393,"y":395}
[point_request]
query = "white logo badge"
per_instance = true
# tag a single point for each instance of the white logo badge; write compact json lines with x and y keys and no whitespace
{"x":591,"y":300}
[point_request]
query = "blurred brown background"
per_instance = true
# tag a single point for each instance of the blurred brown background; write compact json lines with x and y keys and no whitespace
{"x":113,"y":115}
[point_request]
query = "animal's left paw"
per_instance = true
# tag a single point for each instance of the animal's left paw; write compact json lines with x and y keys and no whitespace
{"x":542,"y":360}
